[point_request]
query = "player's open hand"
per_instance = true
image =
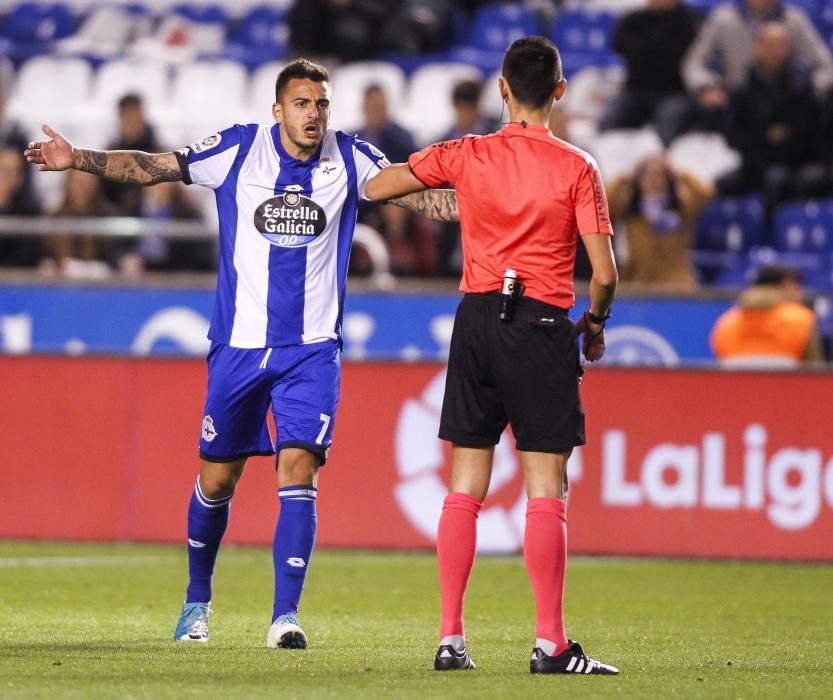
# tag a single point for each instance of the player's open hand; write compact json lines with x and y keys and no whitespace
{"x":593,"y":338}
{"x":55,"y":154}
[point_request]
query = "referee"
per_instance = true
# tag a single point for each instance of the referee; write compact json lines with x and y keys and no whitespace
{"x":524,"y":197}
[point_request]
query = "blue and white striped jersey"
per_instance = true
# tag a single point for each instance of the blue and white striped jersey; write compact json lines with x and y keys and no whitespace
{"x":286,"y":227}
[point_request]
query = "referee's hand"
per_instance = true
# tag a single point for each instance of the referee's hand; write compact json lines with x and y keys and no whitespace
{"x":593,"y":338}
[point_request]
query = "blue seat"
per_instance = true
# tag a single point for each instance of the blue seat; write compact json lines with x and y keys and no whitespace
{"x":197,"y":12}
{"x":495,"y":27}
{"x":804,"y":227}
{"x":816,"y":270}
{"x":584,"y":38}
{"x":725,"y":233}
{"x":32,"y":28}
{"x":261,"y":35}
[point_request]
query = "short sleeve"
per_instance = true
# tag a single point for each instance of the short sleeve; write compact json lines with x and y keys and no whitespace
{"x":209,"y":161}
{"x":438,"y":164}
{"x":592,"y":214}
{"x":369,"y":161}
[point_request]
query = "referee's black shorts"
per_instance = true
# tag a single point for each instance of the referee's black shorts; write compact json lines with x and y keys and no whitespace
{"x":524,"y":372}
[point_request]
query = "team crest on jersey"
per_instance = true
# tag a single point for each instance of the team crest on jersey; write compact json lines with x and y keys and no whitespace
{"x":209,"y":432}
{"x":207,"y":143}
{"x":290,"y":220}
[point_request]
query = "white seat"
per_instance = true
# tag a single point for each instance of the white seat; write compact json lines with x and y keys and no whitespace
{"x":590,"y":90}
{"x":490,"y":103}
{"x":705,"y":155}
{"x":618,"y":6}
{"x":51,"y":90}
{"x":115,"y":79}
{"x":427,"y":110}
{"x":206,"y":96}
{"x":349,"y":83}
{"x":619,"y":151}
{"x":261,"y":93}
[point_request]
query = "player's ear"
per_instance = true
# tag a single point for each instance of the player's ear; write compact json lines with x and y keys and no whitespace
{"x":277,"y":113}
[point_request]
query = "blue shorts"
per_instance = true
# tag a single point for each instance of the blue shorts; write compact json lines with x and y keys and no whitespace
{"x":300,"y":381}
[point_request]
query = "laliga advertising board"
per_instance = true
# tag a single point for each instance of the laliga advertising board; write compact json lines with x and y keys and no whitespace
{"x":693,"y":463}
{"x":678,"y":462}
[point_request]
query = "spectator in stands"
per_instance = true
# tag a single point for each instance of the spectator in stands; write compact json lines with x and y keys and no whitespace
{"x":11,"y":134}
{"x":409,"y":238}
{"x":657,"y":208}
{"x":346,"y":29}
{"x":468,"y":119}
{"x":652,"y":42}
{"x":773,"y":122}
{"x":16,"y":200}
{"x":83,"y":198}
{"x":134,"y":134}
{"x":769,"y":325}
{"x":416,"y":27}
{"x":720,"y":56}
{"x":166,"y":201}
{"x":379,"y":129}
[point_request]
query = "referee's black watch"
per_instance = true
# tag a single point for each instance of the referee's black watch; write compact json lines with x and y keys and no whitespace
{"x":597,"y":319}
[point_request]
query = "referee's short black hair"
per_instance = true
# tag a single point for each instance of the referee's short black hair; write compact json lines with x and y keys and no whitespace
{"x":532,"y":67}
{"x":300,"y":68}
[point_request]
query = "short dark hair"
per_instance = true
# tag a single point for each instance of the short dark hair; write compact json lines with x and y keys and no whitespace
{"x":300,"y":68}
{"x":776,"y":275}
{"x":467,"y":92}
{"x":532,"y":67}
{"x":130,"y":100}
{"x":374,"y":88}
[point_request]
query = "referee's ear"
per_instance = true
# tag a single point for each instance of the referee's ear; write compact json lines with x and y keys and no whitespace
{"x":560,"y":89}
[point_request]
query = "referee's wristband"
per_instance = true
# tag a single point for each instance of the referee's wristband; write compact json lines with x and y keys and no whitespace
{"x":597,"y":319}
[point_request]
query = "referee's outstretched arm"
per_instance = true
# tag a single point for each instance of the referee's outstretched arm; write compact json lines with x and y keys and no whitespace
{"x":133,"y":167}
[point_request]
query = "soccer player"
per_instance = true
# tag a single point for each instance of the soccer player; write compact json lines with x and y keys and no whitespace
{"x":287,"y":196}
{"x":524,"y":198}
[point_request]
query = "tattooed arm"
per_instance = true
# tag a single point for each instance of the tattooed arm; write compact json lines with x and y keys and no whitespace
{"x":397,"y":185}
{"x":439,"y":205}
{"x":133,"y":167}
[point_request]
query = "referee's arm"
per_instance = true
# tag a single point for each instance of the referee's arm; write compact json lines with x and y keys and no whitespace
{"x":605,"y":277}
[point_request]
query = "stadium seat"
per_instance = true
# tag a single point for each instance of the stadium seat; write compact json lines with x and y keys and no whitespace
{"x":261,"y":93}
{"x":261,"y":35}
{"x":591,"y":89}
{"x":32,"y":28}
{"x":804,"y":227}
{"x":584,"y":39}
{"x":352,"y":79}
{"x":205,"y":96}
{"x":53,"y":90}
{"x":725,"y":233}
{"x":816,"y":271}
{"x":703,"y":6}
{"x":619,"y":151}
{"x":705,"y":155}
{"x":495,"y":27}
{"x":427,"y":109}
{"x":117,"y":78}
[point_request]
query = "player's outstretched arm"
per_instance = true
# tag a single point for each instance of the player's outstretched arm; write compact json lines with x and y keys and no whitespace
{"x":439,"y":205}
{"x":134,"y":167}
{"x":397,"y":185}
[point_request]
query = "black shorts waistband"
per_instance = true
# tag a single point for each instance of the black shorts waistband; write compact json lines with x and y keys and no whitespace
{"x":522,"y":304}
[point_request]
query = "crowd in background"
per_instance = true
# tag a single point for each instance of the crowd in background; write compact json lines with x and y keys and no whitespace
{"x":755,"y":71}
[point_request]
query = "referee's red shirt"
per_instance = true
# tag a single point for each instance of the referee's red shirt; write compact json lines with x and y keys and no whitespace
{"x":523,"y":196}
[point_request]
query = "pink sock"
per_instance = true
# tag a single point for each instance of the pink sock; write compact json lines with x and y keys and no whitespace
{"x":545,"y":554}
{"x":456,"y":543}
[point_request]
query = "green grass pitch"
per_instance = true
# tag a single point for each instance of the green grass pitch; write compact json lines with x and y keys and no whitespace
{"x":95,"y":621}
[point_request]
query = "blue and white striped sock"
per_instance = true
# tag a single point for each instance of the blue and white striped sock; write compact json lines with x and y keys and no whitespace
{"x":292,"y":546}
{"x":207,"y":522}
